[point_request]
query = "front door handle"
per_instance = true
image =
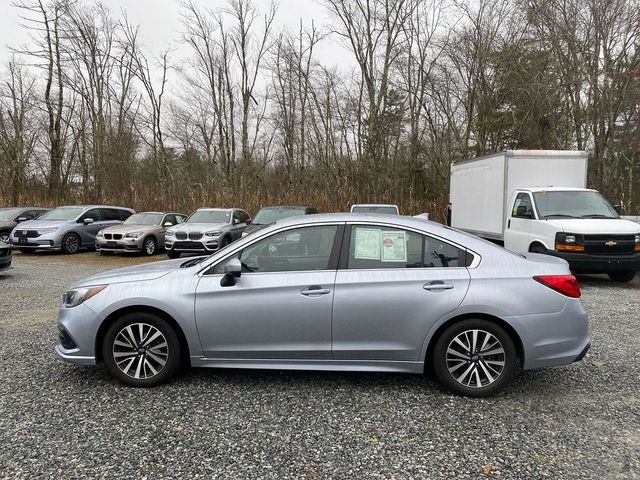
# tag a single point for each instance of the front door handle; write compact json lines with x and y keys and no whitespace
{"x":314,"y":290}
{"x":437,"y":285}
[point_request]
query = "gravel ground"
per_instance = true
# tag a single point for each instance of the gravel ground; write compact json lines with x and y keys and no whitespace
{"x":58,"y":420}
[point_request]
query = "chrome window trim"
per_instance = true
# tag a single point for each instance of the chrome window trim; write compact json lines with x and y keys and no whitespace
{"x":215,"y":263}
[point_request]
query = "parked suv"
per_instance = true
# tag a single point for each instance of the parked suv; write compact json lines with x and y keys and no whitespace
{"x":67,"y":228}
{"x":268,"y":215}
{"x":206,"y":231}
{"x":141,"y":232}
{"x":11,"y":217}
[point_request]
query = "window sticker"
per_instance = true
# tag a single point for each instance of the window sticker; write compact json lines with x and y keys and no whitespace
{"x":394,"y":246}
{"x":367,"y":244}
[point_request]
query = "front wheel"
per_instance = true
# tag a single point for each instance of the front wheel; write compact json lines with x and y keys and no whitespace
{"x":141,"y":350}
{"x":172,"y":254}
{"x":4,"y":237}
{"x":623,"y":276}
{"x":70,"y":243}
{"x":476,"y":358}
{"x":149,"y":246}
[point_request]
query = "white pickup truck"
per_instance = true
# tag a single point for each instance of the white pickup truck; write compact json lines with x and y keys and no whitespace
{"x":536,"y":201}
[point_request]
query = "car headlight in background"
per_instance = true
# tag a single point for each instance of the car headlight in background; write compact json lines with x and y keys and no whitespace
{"x":75,"y":297}
{"x":170,"y":233}
{"x":99,"y":234}
{"x":42,"y":231}
{"x":133,"y":235}
{"x":637,"y":247}
{"x":569,"y":242}
{"x":215,"y":233}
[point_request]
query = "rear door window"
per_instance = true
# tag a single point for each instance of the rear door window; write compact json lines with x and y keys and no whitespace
{"x":380,"y":247}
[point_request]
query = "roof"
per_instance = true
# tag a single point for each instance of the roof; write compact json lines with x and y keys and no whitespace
{"x":374,"y":205}
{"x":95,"y":206}
{"x":554,"y":189}
{"x":207,"y":209}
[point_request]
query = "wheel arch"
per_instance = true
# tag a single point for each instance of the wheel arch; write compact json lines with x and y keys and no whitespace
{"x":517,"y":341}
{"x":113,"y":316}
{"x":537,"y":243}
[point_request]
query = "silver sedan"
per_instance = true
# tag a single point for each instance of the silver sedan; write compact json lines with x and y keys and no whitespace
{"x":334,"y":292}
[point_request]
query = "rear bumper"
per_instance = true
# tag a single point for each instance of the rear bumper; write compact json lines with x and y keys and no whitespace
{"x":586,"y":263}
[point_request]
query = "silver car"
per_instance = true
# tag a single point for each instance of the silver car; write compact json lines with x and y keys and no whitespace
{"x":206,"y":231}
{"x":5,"y":256}
{"x":334,"y":292}
{"x":143,"y":232}
{"x":67,"y":229}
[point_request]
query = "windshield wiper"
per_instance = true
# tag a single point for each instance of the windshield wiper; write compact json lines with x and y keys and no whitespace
{"x":597,"y":215}
{"x":191,"y":263}
{"x":559,"y":215}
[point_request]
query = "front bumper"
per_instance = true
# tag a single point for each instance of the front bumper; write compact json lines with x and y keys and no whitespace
{"x":77,"y":330}
{"x":588,"y":263}
{"x":206,"y":245}
{"x":48,"y":241}
{"x":123,"y":245}
{"x":5,"y":259}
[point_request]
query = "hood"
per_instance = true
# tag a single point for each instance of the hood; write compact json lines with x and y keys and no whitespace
{"x":198,"y":227}
{"x":136,"y":273}
{"x":131,"y":228}
{"x":587,"y":226}
{"x":35,"y":224}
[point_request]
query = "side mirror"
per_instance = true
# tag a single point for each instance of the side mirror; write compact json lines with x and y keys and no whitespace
{"x":167,"y":224}
{"x":236,"y":221}
{"x":232,"y":270}
{"x":21,"y":219}
{"x":618,"y":209}
{"x":88,"y":221}
{"x":248,"y":222}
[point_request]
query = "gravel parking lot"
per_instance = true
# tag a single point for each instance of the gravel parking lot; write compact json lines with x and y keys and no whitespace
{"x":58,"y":420}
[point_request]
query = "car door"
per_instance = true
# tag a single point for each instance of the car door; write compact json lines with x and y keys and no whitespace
{"x":392,"y":286}
{"x":237,"y":224}
{"x":517,"y":234}
{"x":280,"y":307}
{"x":89,"y":231}
{"x":170,"y":218}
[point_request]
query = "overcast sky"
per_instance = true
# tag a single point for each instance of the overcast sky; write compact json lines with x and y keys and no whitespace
{"x":160,"y":23}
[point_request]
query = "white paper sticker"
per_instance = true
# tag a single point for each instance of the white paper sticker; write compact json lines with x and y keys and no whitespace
{"x":394,"y":246}
{"x":367,"y":244}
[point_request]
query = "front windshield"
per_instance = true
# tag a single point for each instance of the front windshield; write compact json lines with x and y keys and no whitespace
{"x":62,"y":213}
{"x":210,"y":216}
{"x":7,"y":214}
{"x":573,"y":204}
{"x":144,"y":219}
{"x":267,"y":216}
{"x":374,"y":209}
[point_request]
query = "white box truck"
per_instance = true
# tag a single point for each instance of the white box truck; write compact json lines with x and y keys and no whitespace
{"x":536,"y":201}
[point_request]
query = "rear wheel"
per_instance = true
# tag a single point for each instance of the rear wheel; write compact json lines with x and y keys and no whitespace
{"x":141,"y":350}
{"x":172,"y":254}
{"x":149,"y":246}
{"x":476,"y":358}
{"x":623,"y":276}
{"x":71,"y":243}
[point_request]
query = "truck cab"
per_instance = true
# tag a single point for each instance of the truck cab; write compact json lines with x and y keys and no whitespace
{"x":576,"y":224}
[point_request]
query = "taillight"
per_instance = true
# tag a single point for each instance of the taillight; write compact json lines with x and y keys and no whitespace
{"x":564,"y":284}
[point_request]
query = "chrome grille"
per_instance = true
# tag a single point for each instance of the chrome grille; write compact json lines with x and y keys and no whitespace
{"x":107,"y":236}
{"x":195,"y":235}
{"x":181,"y":235}
{"x":117,"y":236}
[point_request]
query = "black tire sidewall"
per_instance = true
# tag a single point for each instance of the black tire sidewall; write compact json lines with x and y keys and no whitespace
{"x":623,"y":276}
{"x":440,"y":363}
{"x":173,"y":361}
{"x":64,"y":243}
{"x":144,"y":246}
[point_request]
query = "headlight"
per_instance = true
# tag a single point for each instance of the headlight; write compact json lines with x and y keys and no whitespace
{"x":75,"y":297}
{"x":170,"y":233}
{"x":133,"y":235}
{"x":570,"y":239}
{"x":100,"y":234}
{"x":215,"y":233}
{"x":42,"y":231}
{"x":569,"y":242}
{"x":637,"y":239}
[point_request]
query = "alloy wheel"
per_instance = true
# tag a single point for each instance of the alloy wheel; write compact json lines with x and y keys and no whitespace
{"x":71,"y":244}
{"x":149,"y":246}
{"x":475,"y":358}
{"x":4,"y":237}
{"x":140,"y":350}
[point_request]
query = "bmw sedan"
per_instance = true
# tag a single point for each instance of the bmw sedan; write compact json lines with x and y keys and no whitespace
{"x":334,"y":292}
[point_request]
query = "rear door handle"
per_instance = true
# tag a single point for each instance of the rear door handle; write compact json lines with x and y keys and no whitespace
{"x":314,"y":290}
{"x":437,"y":285}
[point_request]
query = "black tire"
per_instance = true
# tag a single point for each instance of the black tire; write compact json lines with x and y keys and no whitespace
{"x":143,"y":363}
{"x":476,"y":362}
{"x":225,"y":241}
{"x":623,"y":276}
{"x":71,"y":243}
{"x":537,"y":248}
{"x":149,"y":246}
{"x":172,"y":254}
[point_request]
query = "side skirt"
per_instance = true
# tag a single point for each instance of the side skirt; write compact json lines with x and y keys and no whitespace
{"x":327,"y":365}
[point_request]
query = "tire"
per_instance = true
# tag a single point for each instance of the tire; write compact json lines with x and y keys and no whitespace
{"x":537,"y":248}
{"x":70,"y":243}
{"x":477,"y":377}
{"x":623,"y":276}
{"x":149,"y":246}
{"x":172,"y":254}
{"x":131,"y":361}
{"x":225,"y":241}
{"x":4,"y":236}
